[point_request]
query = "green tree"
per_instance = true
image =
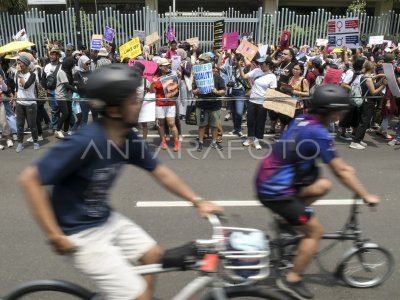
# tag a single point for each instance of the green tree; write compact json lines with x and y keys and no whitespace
{"x":357,"y":5}
{"x":13,"y":6}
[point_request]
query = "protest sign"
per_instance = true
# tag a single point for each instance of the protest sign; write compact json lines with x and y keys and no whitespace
{"x":193,"y":41}
{"x":96,"y":42}
{"x":263,"y":49}
{"x":204,"y":78}
{"x":150,"y":68}
{"x":344,"y":32}
{"x":21,"y":36}
{"x":219,"y":29}
{"x":152,"y":39}
{"x":246,"y":36}
{"x":130,"y":49}
{"x":280,"y":102}
{"x":376,"y":40}
{"x":171,"y":34}
{"x":108,"y":35}
{"x":247,"y":49}
{"x":392,"y":83}
{"x":148,"y":109}
{"x":322,"y":42}
{"x":230,"y":40}
{"x":284,"y":41}
{"x":140,"y":34}
{"x":170,"y":85}
{"x":175,"y":62}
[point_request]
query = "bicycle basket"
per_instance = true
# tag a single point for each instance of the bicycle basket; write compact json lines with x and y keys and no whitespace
{"x":246,"y":254}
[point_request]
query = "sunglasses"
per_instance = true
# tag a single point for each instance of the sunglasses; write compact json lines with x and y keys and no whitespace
{"x":88,"y":64}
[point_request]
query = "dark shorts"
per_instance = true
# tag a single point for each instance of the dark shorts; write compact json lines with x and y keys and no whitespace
{"x":295,"y":211}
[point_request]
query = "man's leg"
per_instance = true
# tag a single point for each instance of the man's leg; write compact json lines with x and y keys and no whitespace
{"x":308,"y":246}
{"x":153,"y":256}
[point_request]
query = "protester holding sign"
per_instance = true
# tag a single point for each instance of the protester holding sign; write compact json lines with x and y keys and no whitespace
{"x":165,"y":109}
{"x":263,"y":79}
{"x":208,"y":84}
{"x":185,"y":87}
{"x":172,"y":50}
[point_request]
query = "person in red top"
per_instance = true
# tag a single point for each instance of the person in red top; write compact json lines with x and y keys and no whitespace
{"x":165,"y":110}
{"x":172,"y":50}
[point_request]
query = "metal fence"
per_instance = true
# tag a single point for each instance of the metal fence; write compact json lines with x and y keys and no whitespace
{"x":266,"y":28}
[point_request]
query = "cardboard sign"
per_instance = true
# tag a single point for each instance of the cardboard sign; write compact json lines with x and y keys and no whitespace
{"x":230,"y":40}
{"x":219,"y":29}
{"x":247,"y":49}
{"x":344,"y":32}
{"x":130,"y":49}
{"x":108,"y":35}
{"x":392,"y":83}
{"x":193,"y":41}
{"x":170,"y":85}
{"x":96,"y":42}
{"x":284,"y":42}
{"x":284,"y":104}
{"x":204,"y":78}
{"x":322,"y":42}
{"x":175,"y":62}
{"x":152,"y":39}
{"x":376,"y":40}
{"x":140,"y":34}
{"x":150,"y":68}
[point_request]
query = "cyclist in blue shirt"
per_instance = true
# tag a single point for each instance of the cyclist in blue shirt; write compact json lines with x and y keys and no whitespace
{"x":287,"y":180}
{"x":78,"y":219}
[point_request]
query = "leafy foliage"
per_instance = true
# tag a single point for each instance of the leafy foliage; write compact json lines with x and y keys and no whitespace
{"x":357,"y":6}
{"x":13,"y":6}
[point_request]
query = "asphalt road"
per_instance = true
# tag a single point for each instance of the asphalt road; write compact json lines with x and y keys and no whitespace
{"x":220,"y":176}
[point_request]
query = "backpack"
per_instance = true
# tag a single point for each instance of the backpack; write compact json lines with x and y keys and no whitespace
{"x":356,"y":92}
{"x":50,"y":82}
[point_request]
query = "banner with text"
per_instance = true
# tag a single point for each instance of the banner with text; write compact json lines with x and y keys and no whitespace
{"x":344,"y":33}
{"x":150,"y":68}
{"x":130,"y":49}
{"x":108,"y":35}
{"x":203,"y":75}
{"x":219,"y":29}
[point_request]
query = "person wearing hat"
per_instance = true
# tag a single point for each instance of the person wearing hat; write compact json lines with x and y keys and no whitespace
{"x":165,"y":110}
{"x":209,"y":111}
{"x":102,"y":58}
{"x":52,"y":68}
{"x":263,"y":79}
{"x":25,"y":109}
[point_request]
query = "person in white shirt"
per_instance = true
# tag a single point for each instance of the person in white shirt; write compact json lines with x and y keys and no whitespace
{"x":25,"y":109}
{"x":263,"y":79}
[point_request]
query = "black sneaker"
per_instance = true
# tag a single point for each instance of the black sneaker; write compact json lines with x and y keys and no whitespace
{"x":217,"y":146}
{"x":297,"y":289}
{"x":200,"y":147}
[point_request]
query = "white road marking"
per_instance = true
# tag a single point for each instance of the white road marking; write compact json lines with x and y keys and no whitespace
{"x":236,"y":203}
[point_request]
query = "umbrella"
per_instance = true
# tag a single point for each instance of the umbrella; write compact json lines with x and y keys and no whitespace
{"x":16,"y":45}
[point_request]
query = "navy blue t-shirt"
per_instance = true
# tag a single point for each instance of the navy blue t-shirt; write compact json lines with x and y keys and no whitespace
{"x":82,"y":169}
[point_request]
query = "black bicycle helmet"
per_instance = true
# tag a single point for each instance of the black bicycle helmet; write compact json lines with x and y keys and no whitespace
{"x":328,"y":98}
{"x":112,"y":84}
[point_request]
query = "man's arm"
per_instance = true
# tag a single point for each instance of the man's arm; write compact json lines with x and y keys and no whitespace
{"x":346,"y":174}
{"x":167,"y":178}
{"x":39,"y":203}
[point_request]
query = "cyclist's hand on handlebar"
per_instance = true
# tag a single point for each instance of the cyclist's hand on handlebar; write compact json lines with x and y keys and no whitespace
{"x":205,"y":208}
{"x":61,"y":244}
{"x":371,"y":199}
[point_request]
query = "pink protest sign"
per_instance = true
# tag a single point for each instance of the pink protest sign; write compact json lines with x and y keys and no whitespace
{"x":150,"y":68}
{"x":230,"y":40}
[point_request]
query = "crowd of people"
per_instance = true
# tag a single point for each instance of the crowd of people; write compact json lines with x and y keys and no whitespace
{"x":61,"y":75}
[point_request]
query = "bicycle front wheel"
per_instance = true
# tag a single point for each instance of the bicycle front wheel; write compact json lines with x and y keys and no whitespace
{"x":50,"y":289}
{"x":244,"y":292}
{"x":367,"y":267}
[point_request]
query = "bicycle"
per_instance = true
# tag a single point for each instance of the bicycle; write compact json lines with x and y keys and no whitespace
{"x":364,"y":265}
{"x":214,"y":259}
